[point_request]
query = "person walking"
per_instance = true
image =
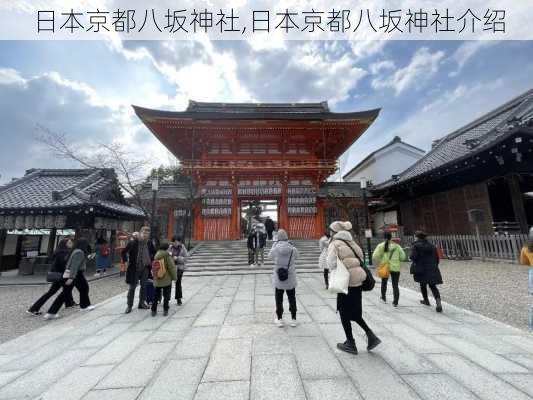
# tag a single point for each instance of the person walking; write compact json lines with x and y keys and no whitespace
{"x":178,"y":251}
{"x":75,"y":277}
{"x":425,"y":269}
{"x":390,"y":255}
{"x":343,"y":247}
{"x":284,"y":255}
{"x":260,"y":243}
{"x":270,"y":226}
{"x":59,"y":264}
{"x":163,"y":282}
{"x":323,"y":244}
{"x":139,"y":254}
{"x":103,"y":257}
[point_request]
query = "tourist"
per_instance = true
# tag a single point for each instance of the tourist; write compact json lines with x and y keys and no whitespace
{"x":103,"y":257}
{"x":74,"y":275}
{"x":270,"y":226}
{"x":178,"y":251}
{"x":139,"y":254}
{"x":526,"y":255}
{"x":59,"y":263}
{"x":390,"y":255}
{"x":260,"y":243}
{"x":284,"y":255}
{"x":425,"y":268}
{"x":323,"y":244}
{"x":343,"y":247}
{"x":251,"y":244}
{"x":163,"y":283}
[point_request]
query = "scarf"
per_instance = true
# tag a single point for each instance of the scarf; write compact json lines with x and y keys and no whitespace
{"x":143,"y":255}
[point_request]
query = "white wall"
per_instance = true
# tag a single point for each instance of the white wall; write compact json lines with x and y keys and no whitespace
{"x":391,"y":161}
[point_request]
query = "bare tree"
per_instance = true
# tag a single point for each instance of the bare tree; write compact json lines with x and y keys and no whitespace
{"x":131,"y":171}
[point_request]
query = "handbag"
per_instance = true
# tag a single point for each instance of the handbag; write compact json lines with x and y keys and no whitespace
{"x":339,"y":278}
{"x":283,"y":273}
{"x":369,"y":282}
{"x":383,"y":269}
{"x":53,"y":277}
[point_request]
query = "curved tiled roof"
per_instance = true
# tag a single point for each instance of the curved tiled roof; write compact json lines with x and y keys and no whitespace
{"x":471,"y":138}
{"x":63,"y":188}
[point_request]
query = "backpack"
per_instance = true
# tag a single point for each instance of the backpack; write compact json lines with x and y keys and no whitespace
{"x":159,"y":269}
{"x":104,"y":250}
{"x":283,"y":273}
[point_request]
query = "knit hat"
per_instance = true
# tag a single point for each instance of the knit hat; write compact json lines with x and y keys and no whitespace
{"x":282,"y":235}
{"x":338,"y":226}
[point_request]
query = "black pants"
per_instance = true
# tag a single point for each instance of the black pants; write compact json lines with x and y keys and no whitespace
{"x":179,"y":292}
{"x":251,"y":256}
{"x":140,"y":277}
{"x":351,"y":309}
{"x":395,"y":278}
{"x":166,"y":297}
{"x":434,"y":290}
{"x":53,"y":289}
{"x":326,"y":277}
{"x":81,"y":284}
{"x":291,"y":294}
{"x":269,"y":235}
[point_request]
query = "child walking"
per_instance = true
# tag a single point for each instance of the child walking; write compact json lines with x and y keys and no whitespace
{"x":163,"y":283}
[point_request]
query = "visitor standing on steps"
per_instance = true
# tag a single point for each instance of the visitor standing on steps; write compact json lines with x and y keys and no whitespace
{"x":389,"y":255}
{"x":323,"y":244}
{"x":270,"y":226}
{"x":350,"y":307}
{"x":260,"y":243}
{"x":284,"y":255}
{"x":425,"y":268}
{"x":139,"y":254}
{"x":178,"y":251}
{"x":251,"y":244}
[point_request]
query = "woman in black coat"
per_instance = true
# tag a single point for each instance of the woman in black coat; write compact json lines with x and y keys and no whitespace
{"x":425,"y":268}
{"x":59,"y":262}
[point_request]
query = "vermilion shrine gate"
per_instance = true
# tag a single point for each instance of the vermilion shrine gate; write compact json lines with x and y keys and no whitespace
{"x":242,"y":152}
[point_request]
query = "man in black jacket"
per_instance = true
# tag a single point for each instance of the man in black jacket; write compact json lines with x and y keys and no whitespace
{"x":269,"y":225}
{"x":139,"y":254}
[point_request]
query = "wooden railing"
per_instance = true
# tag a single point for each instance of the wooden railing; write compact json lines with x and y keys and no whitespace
{"x":464,"y":247}
{"x":259,"y":164}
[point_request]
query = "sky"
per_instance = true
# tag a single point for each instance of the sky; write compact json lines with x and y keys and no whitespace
{"x":85,"y":89}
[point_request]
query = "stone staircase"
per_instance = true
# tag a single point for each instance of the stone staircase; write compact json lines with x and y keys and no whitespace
{"x":231,"y":258}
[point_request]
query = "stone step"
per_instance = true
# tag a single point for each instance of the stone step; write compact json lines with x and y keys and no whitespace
{"x":243,"y":272}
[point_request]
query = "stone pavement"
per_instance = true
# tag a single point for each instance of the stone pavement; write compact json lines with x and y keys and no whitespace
{"x":222,"y":344}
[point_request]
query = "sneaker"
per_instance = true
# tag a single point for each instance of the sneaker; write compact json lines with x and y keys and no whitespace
{"x":278,"y":322}
{"x":154,"y":313}
{"x":97,"y":275}
{"x":165,"y":313}
{"x":88,"y":308}
{"x":293,"y":322}
{"x":35,"y":313}
{"x":128,"y":310}
{"x":348,"y":347}
{"x":395,"y":304}
{"x":425,"y":302}
{"x":49,"y":316}
{"x":439,"y":306}
{"x":384,"y":299}
{"x":143,"y":306}
{"x":179,"y":302}
{"x":373,"y":341}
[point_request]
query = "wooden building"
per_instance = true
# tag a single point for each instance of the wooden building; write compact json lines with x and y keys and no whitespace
{"x":45,"y":201}
{"x":487,"y":166}
{"x":236,"y":153}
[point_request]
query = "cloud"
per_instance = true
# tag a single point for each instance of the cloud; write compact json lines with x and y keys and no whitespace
{"x":467,"y":50}
{"x":384,"y":65}
{"x":63,"y":106}
{"x":423,"y":65}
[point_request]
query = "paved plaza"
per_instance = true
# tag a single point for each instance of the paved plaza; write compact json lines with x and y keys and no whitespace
{"x":222,"y":344}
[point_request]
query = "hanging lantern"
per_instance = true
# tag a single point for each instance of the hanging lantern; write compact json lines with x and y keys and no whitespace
{"x":38,"y":222}
{"x":9,"y":222}
{"x":19,"y":222}
{"x":29,"y":222}
{"x":60,"y":221}
{"x":49,"y":221}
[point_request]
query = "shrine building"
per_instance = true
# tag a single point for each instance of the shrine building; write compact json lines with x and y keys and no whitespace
{"x":279,"y":154}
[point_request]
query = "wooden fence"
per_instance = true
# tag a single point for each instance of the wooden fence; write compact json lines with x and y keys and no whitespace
{"x":465,"y":247}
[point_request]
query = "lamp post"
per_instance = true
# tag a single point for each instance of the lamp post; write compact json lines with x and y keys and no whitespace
{"x":155,"y":188}
{"x":368,"y":230}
